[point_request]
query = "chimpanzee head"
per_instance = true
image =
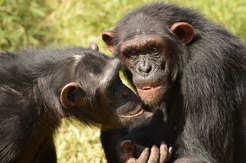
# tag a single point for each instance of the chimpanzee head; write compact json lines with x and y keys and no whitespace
{"x":151,"y":48}
{"x":96,"y":94}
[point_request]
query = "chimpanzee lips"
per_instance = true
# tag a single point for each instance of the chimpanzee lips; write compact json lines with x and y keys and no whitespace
{"x":135,"y":113}
{"x":147,"y":88}
{"x":151,"y":94}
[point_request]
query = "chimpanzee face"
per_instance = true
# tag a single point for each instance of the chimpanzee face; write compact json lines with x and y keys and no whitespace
{"x":150,"y":54}
{"x":146,"y":60}
{"x":98,"y":95}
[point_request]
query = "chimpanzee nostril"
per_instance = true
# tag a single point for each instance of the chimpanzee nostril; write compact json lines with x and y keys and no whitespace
{"x":149,"y":69}
{"x":145,"y":67}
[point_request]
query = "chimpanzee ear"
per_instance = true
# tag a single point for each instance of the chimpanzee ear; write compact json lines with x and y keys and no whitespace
{"x":93,"y":46}
{"x":108,"y":37}
{"x":67,"y":96}
{"x":184,"y":31}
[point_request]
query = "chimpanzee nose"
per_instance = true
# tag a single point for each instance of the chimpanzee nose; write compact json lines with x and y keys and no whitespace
{"x":144,"y":67}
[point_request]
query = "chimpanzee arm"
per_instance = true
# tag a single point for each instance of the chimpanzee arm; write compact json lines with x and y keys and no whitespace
{"x":14,"y":124}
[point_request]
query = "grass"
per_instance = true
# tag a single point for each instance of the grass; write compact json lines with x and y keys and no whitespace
{"x":76,"y":143}
{"x":64,"y":23}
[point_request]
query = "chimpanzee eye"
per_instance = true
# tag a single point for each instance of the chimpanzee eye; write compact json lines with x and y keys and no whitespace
{"x":130,"y":53}
{"x":133,"y":52}
{"x":154,"y":49}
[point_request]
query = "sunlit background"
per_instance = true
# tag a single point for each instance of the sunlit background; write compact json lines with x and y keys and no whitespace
{"x":69,"y":23}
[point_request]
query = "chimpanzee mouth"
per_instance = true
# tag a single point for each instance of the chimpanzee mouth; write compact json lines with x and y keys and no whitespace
{"x":151,"y":94}
{"x":135,"y":113}
{"x":147,"y":88}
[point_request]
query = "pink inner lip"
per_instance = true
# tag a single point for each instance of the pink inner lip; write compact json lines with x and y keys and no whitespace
{"x":151,"y":95}
{"x":147,"y":88}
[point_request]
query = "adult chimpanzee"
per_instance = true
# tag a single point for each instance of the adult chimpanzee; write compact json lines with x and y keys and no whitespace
{"x":39,"y":87}
{"x":192,"y":73}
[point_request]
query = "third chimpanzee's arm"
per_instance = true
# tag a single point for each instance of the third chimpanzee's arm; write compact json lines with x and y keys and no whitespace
{"x":126,"y":151}
{"x":144,"y":134}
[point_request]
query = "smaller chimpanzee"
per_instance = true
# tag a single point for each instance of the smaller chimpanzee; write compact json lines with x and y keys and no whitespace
{"x":39,"y":87}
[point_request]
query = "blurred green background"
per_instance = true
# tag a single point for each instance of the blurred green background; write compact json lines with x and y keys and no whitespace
{"x":68,"y":23}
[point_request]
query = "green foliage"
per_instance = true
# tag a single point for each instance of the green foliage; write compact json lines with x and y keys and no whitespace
{"x":21,"y":23}
{"x":64,"y":23}
{"x":76,"y":143}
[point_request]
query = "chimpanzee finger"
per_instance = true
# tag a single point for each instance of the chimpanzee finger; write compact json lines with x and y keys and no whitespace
{"x":143,"y":158}
{"x":139,"y":150}
{"x":154,"y":155}
{"x":163,"y":153}
{"x":93,"y":46}
{"x":170,"y":151}
{"x":131,"y":160}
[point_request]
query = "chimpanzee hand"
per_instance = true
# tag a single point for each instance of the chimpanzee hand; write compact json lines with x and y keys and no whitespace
{"x":128,"y":150}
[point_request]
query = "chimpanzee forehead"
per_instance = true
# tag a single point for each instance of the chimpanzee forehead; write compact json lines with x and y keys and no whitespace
{"x":93,"y":64}
{"x":141,"y":24}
